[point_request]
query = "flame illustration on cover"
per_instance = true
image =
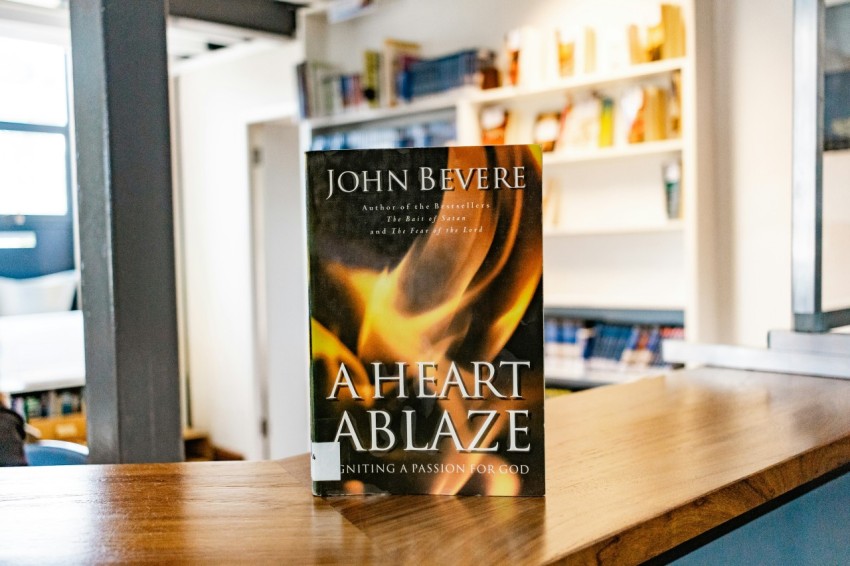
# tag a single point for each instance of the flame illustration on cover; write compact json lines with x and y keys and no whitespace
{"x":426,"y":270}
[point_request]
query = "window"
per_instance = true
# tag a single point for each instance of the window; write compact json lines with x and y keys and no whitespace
{"x":33,"y":174}
{"x":35,"y":183}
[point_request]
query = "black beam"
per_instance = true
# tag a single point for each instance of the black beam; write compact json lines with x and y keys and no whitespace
{"x":821,"y":321}
{"x":126,"y":230}
{"x":268,"y":16}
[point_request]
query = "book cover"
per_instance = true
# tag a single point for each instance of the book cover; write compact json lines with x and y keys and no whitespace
{"x":426,"y":320}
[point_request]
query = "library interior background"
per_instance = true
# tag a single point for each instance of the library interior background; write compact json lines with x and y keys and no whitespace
{"x":668,"y":139}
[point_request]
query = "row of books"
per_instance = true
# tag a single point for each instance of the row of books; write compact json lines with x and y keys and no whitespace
{"x":396,"y":74}
{"x":429,"y":134}
{"x":322,"y":90}
{"x":48,"y":403}
{"x":431,"y":76}
{"x":604,"y":345}
{"x":536,"y":55}
{"x":636,"y":114}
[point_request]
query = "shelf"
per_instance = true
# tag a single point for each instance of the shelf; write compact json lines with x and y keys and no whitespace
{"x":670,"y":226}
{"x":609,"y":248}
{"x":660,"y":316}
{"x":449,"y":100}
{"x":644,"y":149}
{"x":626,"y":75}
{"x":442,"y":101}
{"x":38,"y":383}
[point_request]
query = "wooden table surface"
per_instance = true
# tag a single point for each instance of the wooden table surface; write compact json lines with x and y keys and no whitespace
{"x":633,"y":470}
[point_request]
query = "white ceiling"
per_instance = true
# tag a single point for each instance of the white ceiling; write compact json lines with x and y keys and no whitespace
{"x":48,"y":20}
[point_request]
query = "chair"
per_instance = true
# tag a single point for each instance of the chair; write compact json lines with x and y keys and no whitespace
{"x":55,"y":453}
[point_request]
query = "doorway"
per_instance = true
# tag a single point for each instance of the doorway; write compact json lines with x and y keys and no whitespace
{"x":279,"y":263}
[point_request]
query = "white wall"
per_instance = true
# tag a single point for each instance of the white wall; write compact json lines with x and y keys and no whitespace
{"x":752,"y":152}
{"x":215,"y":100}
{"x":753,"y":80}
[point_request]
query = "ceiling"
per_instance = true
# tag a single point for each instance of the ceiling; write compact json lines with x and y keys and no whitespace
{"x":195,"y":27}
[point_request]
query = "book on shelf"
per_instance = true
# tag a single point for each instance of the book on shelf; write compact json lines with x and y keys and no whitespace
{"x":674,"y":31}
{"x":672,"y":172}
{"x":589,"y":50}
{"x":663,"y":40}
{"x":574,"y":346}
{"x":323,"y":90}
{"x":536,"y":55}
{"x":580,"y":123}
{"x":551,"y":204}
{"x":494,"y":125}
{"x":50,"y":403}
{"x":425,"y":287}
{"x":372,"y":62}
{"x":397,"y":57}
{"x":567,"y":53}
{"x":455,"y":70}
{"x":398,"y":74}
{"x":606,"y":121}
{"x":635,"y":114}
{"x":546,"y":127}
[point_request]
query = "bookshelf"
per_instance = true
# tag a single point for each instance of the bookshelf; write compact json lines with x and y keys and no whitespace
{"x":614,"y":246}
{"x":643,"y":149}
{"x":434,"y":103}
{"x":628,"y":75}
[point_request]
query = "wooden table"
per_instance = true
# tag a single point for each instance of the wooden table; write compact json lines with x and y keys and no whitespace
{"x":633,"y":470}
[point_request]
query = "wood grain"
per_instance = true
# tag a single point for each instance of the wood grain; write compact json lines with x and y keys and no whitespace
{"x":209,"y":512}
{"x":633,"y":470}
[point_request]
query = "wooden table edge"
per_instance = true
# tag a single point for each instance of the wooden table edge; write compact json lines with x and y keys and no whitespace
{"x":702,"y":519}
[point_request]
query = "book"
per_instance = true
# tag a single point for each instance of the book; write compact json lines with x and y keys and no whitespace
{"x":673,"y":28}
{"x":547,"y":126}
{"x":372,"y":78}
{"x":426,"y":322}
{"x":396,"y":59}
{"x":494,"y":125}
{"x":575,"y":347}
{"x":580,"y":123}
{"x":455,"y":70}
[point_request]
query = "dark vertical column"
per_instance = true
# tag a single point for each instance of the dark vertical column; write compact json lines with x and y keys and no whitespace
{"x":126,"y":229}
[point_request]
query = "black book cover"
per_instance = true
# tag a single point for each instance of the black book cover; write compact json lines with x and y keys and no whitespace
{"x":426,"y":320}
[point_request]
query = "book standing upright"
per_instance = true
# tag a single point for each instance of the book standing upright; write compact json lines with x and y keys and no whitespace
{"x":426,"y":320}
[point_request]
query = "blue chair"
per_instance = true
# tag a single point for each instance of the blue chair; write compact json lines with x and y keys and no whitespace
{"x":55,"y":453}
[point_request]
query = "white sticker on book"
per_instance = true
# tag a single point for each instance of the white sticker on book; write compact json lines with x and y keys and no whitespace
{"x":324,"y":461}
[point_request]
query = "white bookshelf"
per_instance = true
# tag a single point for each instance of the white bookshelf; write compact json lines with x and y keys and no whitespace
{"x":644,"y":149}
{"x":613,"y":245}
{"x":630,"y":74}
{"x":435,"y":103}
